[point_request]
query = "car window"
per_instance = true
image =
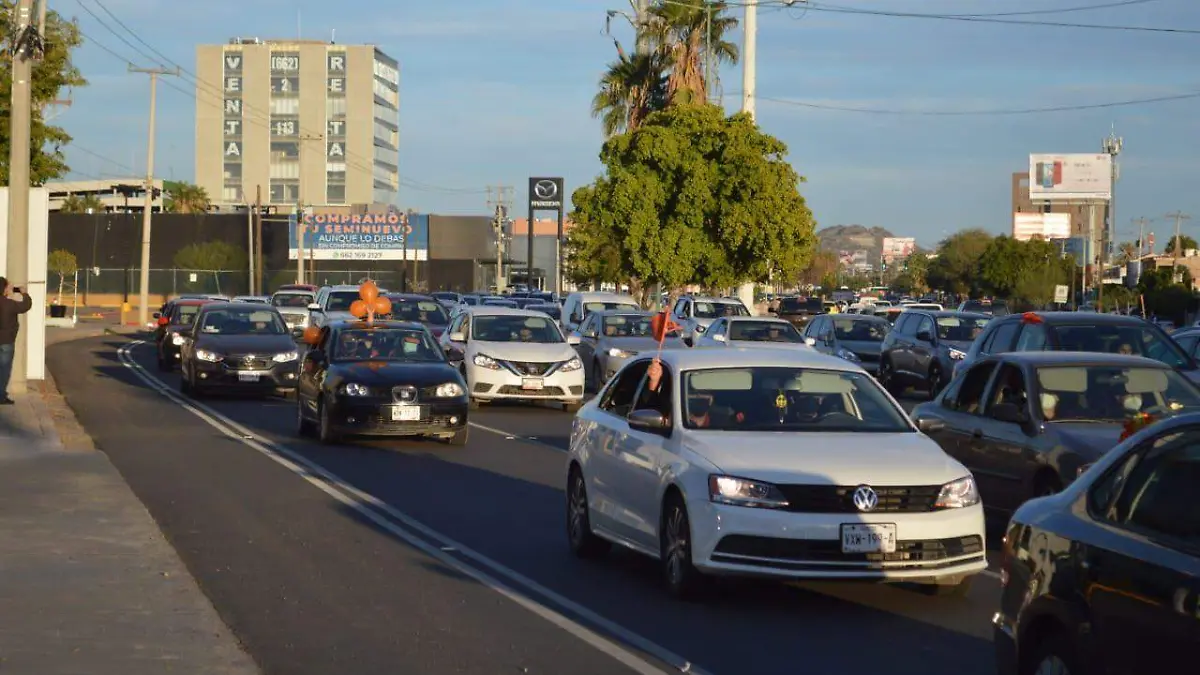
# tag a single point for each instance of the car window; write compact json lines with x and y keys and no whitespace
{"x":656,"y":399}
{"x":904,"y":324}
{"x":515,"y":328}
{"x":419,"y":311}
{"x":925,"y":326}
{"x":291,"y":300}
{"x":860,"y":330}
{"x":713,"y":310}
{"x":717,"y":328}
{"x":341,"y":301}
{"x":1009,"y":388}
{"x":1141,"y":340}
{"x":390,"y":344}
{"x":1112,"y":393}
{"x":1155,"y":489}
{"x":618,"y":398}
{"x":960,"y":328}
{"x":1033,"y":338}
{"x":969,"y":396}
{"x":627,"y":325}
{"x":553,"y":311}
{"x":596,"y":306}
{"x":764,"y":331}
{"x":1188,"y":343}
{"x":781,"y":398}
{"x":185,"y":315}
{"x":242,"y":322}
{"x":1001,"y":340}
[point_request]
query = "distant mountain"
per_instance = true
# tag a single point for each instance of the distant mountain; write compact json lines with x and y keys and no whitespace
{"x":853,"y":238}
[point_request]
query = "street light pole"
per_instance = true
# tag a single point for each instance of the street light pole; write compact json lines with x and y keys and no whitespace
{"x":749,"y":78}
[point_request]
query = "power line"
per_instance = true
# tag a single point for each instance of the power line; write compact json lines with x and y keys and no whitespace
{"x":99,"y":156}
{"x":114,"y":32}
{"x":120,"y":23}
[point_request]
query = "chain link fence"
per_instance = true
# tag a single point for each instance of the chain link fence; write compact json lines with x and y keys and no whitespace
{"x":100,"y":286}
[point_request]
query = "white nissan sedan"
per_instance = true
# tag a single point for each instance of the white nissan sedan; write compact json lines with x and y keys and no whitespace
{"x":778,"y":463}
{"x":515,"y":355}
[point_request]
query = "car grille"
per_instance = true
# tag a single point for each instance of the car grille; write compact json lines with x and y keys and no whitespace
{"x":385,"y":421}
{"x":516,"y":390}
{"x":830,"y":550}
{"x":840,"y":499}
{"x":247,"y":362}
{"x":529,"y":368}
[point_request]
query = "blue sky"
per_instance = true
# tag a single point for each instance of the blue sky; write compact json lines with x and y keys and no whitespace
{"x":493,"y":91}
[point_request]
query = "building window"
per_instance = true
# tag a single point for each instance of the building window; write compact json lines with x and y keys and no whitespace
{"x":285,"y":74}
{"x":231,"y":195}
{"x":285,"y":127}
{"x":284,"y":192}
{"x":336,"y":193}
{"x":233,"y":172}
{"x":285,"y":106}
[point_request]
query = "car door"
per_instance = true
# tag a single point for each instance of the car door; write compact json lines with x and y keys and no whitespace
{"x":1141,"y":570}
{"x":589,"y":337}
{"x":898,"y":345}
{"x":960,"y":408}
{"x":717,"y":335}
{"x":1000,"y":453}
{"x":924,"y":347}
{"x":456,"y":349}
{"x":312,"y":371}
{"x":603,"y":471}
{"x":641,"y":455}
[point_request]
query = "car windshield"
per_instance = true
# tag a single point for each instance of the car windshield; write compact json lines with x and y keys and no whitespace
{"x":769,"y":398}
{"x":960,"y":328}
{"x":185,"y":315}
{"x":597,"y":306}
{"x":627,"y":325}
{"x":500,"y":303}
{"x":716,"y":310}
{"x":797,"y":304}
{"x":554,"y":311}
{"x":764,"y":331}
{"x":1112,"y":393}
{"x":385,"y":344}
{"x":1140,"y":340}
{"x":861,"y":330}
{"x":421,"y":311}
{"x":515,"y":328}
{"x":442,"y":295}
{"x":340,"y":301}
{"x":291,"y":300}
{"x":242,"y":322}
{"x":470,"y":300}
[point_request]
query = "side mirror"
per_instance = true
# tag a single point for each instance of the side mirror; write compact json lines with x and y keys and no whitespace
{"x":925,"y":336}
{"x":811,"y":342}
{"x":1009,"y":412}
{"x":573,"y":339}
{"x":930,"y":425}
{"x":458,"y":337}
{"x":162,"y":320}
{"x":718,"y":338}
{"x":314,"y":307}
{"x":647,"y":420}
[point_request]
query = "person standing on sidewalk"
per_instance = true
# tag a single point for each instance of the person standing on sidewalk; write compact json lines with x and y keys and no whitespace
{"x":9,"y":325}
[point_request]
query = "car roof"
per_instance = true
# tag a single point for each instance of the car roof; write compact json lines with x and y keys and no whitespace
{"x":734,"y":357}
{"x":293,"y":291}
{"x":411,"y":296}
{"x":621,"y":312}
{"x":757,"y":319}
{"x":492,"y":310}
{"x":1080,"y":318}
{"x":349,"y":287}
{"x":1055,"y":358}
{"x":192,"y":302}
{"x":948,"y":313}
{"x":235,"y":305}
{"x":359,"y":324}
{"x":601,"y":295}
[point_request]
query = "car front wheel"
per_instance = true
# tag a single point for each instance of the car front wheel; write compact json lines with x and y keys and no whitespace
{"x":682,"y":579}
{"x":583,"y":542}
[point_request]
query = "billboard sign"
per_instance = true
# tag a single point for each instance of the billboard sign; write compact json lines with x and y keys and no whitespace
{"x":367,"y":236}
{"x":1046,"y":226}
{"x":1055,"y":178}
{"x":898,"y":248}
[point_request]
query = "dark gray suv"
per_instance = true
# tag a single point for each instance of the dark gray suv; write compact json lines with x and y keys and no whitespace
{"x":924,"y":346}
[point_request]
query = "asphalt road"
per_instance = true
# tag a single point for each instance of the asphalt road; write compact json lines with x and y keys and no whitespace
{"x":415,"y":557}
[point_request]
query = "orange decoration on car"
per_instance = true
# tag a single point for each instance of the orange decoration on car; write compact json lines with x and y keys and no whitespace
{"x":1030,"y":317}
{"x":358,"y":308}
{"x":382,"y":305}
{"x":661,"y":326}
{"x":312,"y":335}
{"x":1137,"y":423}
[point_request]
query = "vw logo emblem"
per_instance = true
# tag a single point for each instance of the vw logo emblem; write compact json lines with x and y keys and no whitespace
{"x":865,"y":499}
{"x":249,"y":358}
{"x":545,"y":189}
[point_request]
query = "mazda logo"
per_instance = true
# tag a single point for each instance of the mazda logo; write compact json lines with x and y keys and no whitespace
{"x":865,"y":499}
{"x":545,"y":189}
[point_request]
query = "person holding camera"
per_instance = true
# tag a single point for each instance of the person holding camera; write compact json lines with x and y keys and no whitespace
{"x":9,"y":325}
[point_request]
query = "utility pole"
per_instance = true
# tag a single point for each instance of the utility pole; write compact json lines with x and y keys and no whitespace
{"x":1179,"y":217}
{"x":641,"y":10}
{"x":258,"y":254}
{"x":749,"y":79}
{"x":25,"y":48}
{"x":1141,"y":223}
{"x":500,"y":206}
{"x":249,"y":243}
{"x":1111,"y":145}
{"x":300,"y":225}
{"x":148,"y":208}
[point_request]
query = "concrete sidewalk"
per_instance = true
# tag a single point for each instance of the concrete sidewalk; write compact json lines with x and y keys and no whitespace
{"x":88,"y":584}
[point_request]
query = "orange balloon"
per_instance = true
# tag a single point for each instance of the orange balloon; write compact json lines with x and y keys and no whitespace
{"x":358,"y":308}
{"x":382,"y":305}
{"x":312,"y":335}
{"x":368,"y":291}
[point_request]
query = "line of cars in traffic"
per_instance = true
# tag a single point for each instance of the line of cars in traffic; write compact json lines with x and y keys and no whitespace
{"x":774,"y":452}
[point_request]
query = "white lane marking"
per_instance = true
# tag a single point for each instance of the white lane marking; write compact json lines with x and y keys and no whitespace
{"x":375,"y":510}
{"x":513,"y":436}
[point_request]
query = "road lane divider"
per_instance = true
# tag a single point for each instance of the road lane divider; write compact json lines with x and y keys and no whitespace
{"x":617,"y":642}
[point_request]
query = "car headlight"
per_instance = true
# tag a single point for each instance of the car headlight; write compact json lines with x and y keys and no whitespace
{"x":572,"y":365}
{"x":285,"y":357}
{"x":847,"y":354}
{"x":958,"y":494}
{"x":354,"y":389}
{"x":743,"y":492}
{"x":176,"y":339}
{"x":957,"y":354}
{"x":486,"y":362}
{"x":699,"y":328}
{"x":448,"y":390}
{"x":620,"y":353}
{"x":205,"y":355}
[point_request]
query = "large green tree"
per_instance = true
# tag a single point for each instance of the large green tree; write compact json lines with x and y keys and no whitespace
{"x":1185,"y":243}
{"x":693,"y":196}
{"x":956,"y":267}
{"x":51,"y":76}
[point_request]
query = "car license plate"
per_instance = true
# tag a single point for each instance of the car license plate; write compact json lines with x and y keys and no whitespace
{"x":532,"y":383}
{"x":873,"y":538}
{"x":406,"y":413}
{"x":248,"y":377}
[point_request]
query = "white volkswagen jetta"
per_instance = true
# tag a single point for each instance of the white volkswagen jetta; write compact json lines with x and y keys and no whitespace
{"x":514,"y":354}
{"x":777,"y":463}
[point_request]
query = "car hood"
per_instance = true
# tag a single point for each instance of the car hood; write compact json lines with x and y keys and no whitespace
{"x":814,"y":458}
{"x":531,"y":352}
{"x":293,"y":311}
{"x":246,"y":344}
{"x":639,"y":344}
{"x":339,"y":316}
{"x":392,"y":373}
{"x":1089,"y":440}
{"x":754,"y":344}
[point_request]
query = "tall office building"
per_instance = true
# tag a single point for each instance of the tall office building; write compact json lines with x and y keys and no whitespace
{"x":306,"y":121}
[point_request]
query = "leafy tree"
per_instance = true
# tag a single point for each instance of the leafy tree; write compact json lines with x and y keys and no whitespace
{"x":51,"y":75}
{"x":916,"y":267}
{"x":693,"y":196}
{"x":823,"y":264}
{"x":829,"y":283}
{"x":956,"y":267}
{"x":905,"y":283}
{"x":81,"y":204}
{"x":63,"y":263}
{"x":633,"y":87}
{"x":185,"y":198}
{"x":211,"y":256}
{"x":1185,"y":243}
{"x":1023,"y":271}
{"x":1126,"y":251}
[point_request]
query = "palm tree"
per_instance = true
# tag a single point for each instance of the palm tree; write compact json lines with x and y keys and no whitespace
{"x":81,"y":204}
{"x":690,"y":35}
{"x":1126,"y":252}
{"x":186,"y":198}
{"x":633,"y":87}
